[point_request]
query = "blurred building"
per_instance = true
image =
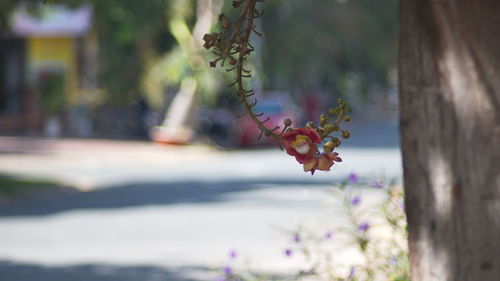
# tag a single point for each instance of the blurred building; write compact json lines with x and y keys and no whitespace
{"x":43,"y":67}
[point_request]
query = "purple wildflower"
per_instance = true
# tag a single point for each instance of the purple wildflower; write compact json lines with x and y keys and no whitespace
{"x":296,"y":237}
{"x":328,"y":235}
{"x":356,"y":201}
{"x":288,"y":252}
{"x":227,"y":270}
{"x":401,"y":204}
{"x":233,"y":254}
{"x":353,"y":178}
{"x":364,"y":226}
{"x":392,"y":260}
{"x":377,"y":184}
{"x":352,"y":273}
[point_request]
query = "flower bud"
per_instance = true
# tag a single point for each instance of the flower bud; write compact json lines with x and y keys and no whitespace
{"x":287,"y":122}
{"x":331,"y":128}
{"x":336,"y":142}
{"x":328,"y":128}
{"x":224,"y":21}
{"x":347,"y":118}
{"x":323,"y":119}
{"x":346,"y":134}
{"x":329,"y":146}
{"x":332,"y":111}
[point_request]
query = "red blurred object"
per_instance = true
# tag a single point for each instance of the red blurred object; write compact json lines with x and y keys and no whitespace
{"x":276,"y":106}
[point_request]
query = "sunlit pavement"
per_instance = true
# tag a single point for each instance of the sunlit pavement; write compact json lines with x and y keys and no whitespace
{"x":147,"y":212}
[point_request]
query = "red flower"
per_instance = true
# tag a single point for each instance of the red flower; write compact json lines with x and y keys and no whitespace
{"x":301,"y":143}
{"x":322,"y":162}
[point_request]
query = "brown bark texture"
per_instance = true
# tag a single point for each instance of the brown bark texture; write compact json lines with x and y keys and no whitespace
{"x":449,"y":84}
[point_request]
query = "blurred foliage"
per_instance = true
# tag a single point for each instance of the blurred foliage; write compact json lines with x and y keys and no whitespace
{"x":6,"y":8}
{"x":344,"y":47}
{"x":51,"y":88}
{"x":10,"y":186}
{"x":185,"y":60}
{"x":339,"y":46}
{"x":129,"y":32}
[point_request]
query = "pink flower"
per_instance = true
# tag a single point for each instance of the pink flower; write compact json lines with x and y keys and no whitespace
{"x":301,"y":143}
{"x":322,"y":162}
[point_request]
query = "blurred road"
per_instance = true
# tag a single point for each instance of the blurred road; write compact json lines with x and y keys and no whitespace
{"x":145,"y":212}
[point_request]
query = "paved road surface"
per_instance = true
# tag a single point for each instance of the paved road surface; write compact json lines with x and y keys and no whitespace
{"x":162,"y":213}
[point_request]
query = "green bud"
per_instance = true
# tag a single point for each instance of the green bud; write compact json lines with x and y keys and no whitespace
{"x":323,"y":120}
{"x":336,"y":142}
{"x":329,"y":146}
{"x":347,"y":118}
{"x":328,"y":127}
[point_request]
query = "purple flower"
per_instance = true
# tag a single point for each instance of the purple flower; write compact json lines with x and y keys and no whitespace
{"x":377,"y":184}
{"x":288,"y":252}
{"x":233,"y":254}
{"x":328,"y":235}
{"x":296,"y":237}
{"x":401,"y":204}
{"x":352,"y":273}
{"x":392,"y":260}
{"x":364,"y":227}
{"x":356,"y":200}
{"x":227,"y":270}
{"x":353,"y":178}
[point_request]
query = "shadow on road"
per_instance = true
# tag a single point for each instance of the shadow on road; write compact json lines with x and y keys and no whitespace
{"x":145,"y":194}
{"x":29,"y":272}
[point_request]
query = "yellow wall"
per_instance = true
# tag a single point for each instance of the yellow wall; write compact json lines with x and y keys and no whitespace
{"x":46,"y":52}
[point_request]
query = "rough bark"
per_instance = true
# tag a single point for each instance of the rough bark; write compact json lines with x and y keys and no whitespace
{"x":450,"y":128}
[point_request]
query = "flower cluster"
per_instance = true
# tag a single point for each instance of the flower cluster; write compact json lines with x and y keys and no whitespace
{"x":302,"y":143}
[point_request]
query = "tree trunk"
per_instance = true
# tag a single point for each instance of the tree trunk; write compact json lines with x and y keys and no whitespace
{"x":178,"y":125}
{"x":450,"y":129}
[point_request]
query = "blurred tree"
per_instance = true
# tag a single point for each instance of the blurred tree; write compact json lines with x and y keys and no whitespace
{"x":130,"y":34}
{"x":345,"y":47}
{"x":450,"y":126}
{"x":6,"y":8}
{"x":184,"y":67}
{"x":186,"y":22}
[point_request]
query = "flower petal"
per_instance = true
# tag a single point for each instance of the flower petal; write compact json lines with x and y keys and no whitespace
{"x":324,"y":163}
{"x":311,"y":133}
{"x":309,"y":166}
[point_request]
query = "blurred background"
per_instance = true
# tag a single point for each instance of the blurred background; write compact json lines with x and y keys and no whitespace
{"x":123,"y":156}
